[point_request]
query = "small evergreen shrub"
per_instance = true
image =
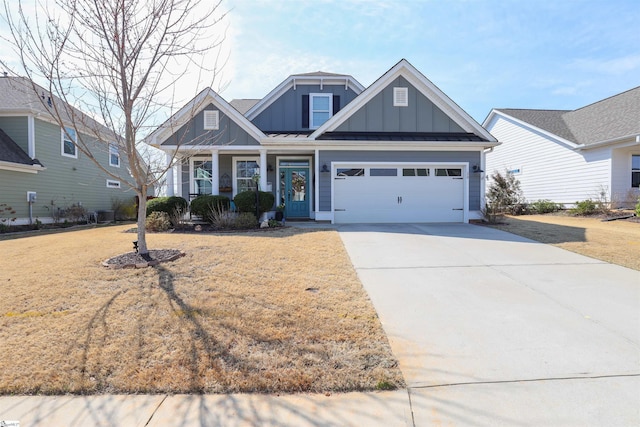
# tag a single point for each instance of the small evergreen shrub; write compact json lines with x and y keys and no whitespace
{"x":544,"y":206}
{"x":168,"y":205}
{"x":202,"y":205}
{"x":585,"y":207}
{"x":158,"y":221}
{"x":246,"y":201}
{"x":504,"y":194}
{"x":638,"y":208}
{"x":245,"y":221}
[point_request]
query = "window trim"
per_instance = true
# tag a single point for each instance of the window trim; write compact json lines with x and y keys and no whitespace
{"x":113,"y":181}
{"x":192,"y":179}
{"x":635,"y":170}
{"x":63,"y":138}
{"x":400,"y":96}
{"x":114,"y":150}
{"x":234,"y":164}
{"x":312,"y":124}
{"x":213,"y":115}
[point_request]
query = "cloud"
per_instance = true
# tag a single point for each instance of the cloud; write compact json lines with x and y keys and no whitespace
{"x":614,"y":66}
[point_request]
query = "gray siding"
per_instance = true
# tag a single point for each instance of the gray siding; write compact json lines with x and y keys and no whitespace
{"x":472,"y":157}
{"x":285,"y":113}
{"x":379,"y":114}
{"x":65,"y":181}
{"x":18,"y":129}
{"x":193,"y":133}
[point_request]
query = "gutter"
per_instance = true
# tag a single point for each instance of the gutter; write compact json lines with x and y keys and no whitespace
{"x":634,"y":137}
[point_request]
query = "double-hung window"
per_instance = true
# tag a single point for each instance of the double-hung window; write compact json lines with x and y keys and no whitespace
{"x":202,"y":171}
{"x":69,"y":140}
{"x":320,"y":109}
{"x":635,"y":171}
{"x":114,"y":155}
{"x":244,"y":171}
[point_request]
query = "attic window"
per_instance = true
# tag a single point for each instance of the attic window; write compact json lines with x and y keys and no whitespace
{"x":211,"y":119}
{"x":320,"y":109}
{"x":400,"y":97}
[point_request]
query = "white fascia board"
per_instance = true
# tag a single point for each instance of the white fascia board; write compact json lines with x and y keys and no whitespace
{"x":292,"y":81}
{"x":193,"y":107}
{"x":623,"y":141}
{"x":18,"y":167}
{"x":421,"y":83}
{"x":531,"y":127}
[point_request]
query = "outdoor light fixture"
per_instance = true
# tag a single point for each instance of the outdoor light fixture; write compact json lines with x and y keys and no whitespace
{"x":476,"y":169}
{"x":269,"y":168}
{"x":324,"y":168}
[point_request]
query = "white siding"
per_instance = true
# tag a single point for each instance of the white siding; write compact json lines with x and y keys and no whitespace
{"x":622,"y":193}
{"x":549,"y":169}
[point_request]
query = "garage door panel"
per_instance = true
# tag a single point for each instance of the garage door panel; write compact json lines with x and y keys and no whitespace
{"x":396,"y":199}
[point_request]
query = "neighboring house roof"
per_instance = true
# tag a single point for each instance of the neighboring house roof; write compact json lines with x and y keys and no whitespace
{"x":12,"y":157}
{"x":610,"y":119}
{"x":243,"y":105}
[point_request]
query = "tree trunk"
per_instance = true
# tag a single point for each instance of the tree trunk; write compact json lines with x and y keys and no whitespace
{"x":142,"y":230}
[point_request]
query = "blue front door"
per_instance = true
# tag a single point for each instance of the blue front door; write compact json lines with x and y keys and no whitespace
{"x":294,"y":192}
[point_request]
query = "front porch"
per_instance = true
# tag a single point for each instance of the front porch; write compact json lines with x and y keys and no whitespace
{"x":291,"y":177}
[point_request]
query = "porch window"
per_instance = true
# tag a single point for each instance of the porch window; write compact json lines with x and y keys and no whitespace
{"x":202,"y":170}
{"x":635,"y":171}
{"x":244,"y":172}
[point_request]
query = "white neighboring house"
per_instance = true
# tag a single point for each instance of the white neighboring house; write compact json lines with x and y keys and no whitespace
{"x":571,"y":155}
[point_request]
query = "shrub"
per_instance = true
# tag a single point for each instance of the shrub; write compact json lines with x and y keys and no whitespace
{"x":168,"y":205}
{"x":638,"y":208}
{"x":221,"y":219}
{"x":158,"y":221}
{"x":202,"y":205}
{"x":75,"y":213}
{"x":504,"y":194}
{"x":246,"y":201}
{"x":585,"y":207}
{"x":123,"y":209}
{"x":544,"y":206}
{"x":245,"y":221}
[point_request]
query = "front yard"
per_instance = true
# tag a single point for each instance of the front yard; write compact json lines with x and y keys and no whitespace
{"x":617,"y":242}
{"x":275,"y":311}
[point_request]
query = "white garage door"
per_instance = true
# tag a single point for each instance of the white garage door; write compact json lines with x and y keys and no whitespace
{"x":396,"y":193}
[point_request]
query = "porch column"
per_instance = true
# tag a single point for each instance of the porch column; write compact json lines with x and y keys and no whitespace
{"x":263,"y":170}
{"x":169,"y":175}
{"x":215,"y":173}
{"x":316,"y":178}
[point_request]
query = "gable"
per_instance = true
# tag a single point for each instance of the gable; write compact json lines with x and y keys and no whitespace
{"x":194,"y":133}
{"x":380,"y":114}
{"x":287,"y":112}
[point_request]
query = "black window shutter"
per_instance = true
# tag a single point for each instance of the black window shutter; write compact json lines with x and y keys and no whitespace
{"x":305,"y":111}
{"x":336,"y":103}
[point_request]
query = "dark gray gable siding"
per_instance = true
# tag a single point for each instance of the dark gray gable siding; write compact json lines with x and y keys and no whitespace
{"x":193,"y":133}
{"x":379,"y":114}
{"x":18,"y":130}
{"x":285,"y":113}
{"x":472,"y":157}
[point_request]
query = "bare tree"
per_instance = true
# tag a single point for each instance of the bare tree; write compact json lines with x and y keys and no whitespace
{"x":117,"y":61}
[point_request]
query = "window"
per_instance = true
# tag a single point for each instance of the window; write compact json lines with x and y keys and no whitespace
{"x":635,"y":171}
{"x":448,"y":172}
{"x":320,"y":109}
{"x":244,"y":172}
{"x":350,"y":172}
{"x":400,"y":97}
{"x":201,"y":173}
{"x":211,"y":119}
{"x":383,"y":172}
{"x":415,"y":172}
{"x":114,"y":155}
{"x":113,"y":184}
{"x":69,"y":140}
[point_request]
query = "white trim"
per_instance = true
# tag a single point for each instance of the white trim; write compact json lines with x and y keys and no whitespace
{"x":114,"y":183}
{"x":423,"y":85}
{"x":114,"y":149}
{"x":234,"y":170}
{"x":31,"y":132}
{"x":316,"y":181}
{"x":63,"y":135}
{"x":192,"y":160}
{"x":170,"y":172}
{"x":465,"y":174}
{"x":311,"y":178}
{"x":215,"y":173}
{"x":19,"y":167}
{"x":529,"y":126}
{"x":211,"y":119}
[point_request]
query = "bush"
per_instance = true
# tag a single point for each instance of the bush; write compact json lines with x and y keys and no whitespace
{"x":158,"y":221}
{"x":585,"y":207}
{"x":638,"y":208}
{"x":504,"y":194}
{"x":168,"y":205}
{"x":544,"y":206}
{"x":221,"y":219}
{"x":246,"y":201}
{"x":245,"y":221}
{"x":202,"y":205}
{"x":124,"y":209}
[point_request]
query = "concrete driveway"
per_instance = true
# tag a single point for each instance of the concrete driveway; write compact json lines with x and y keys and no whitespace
{"x":494,"y":329}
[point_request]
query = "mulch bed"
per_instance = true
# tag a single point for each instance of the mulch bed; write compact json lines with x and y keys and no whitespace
{"x":135,"y":260}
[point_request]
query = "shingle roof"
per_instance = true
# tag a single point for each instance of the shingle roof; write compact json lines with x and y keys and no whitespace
{"x":12,"y":153}
{"x":320,"y":74}
{"x":243,"y":105}
{"x":605,"y":120}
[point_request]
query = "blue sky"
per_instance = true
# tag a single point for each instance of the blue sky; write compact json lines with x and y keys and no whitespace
{"x":482,"y":54}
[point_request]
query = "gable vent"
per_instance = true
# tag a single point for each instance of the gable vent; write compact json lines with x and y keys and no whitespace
{"x":211,"y":120}
{"x":400,"y":97}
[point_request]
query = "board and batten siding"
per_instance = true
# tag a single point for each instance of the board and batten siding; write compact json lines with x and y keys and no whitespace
{"x":379,"y":114}
{"x":471,"y":157}
{"x":548,"y":168}
{"x":65,"y":181}
{"x":285,"y":113}
{"x":194,"y":133}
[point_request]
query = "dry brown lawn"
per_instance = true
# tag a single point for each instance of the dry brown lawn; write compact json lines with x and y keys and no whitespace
{"x":617,"y":242}
{"x":276,"y":311}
